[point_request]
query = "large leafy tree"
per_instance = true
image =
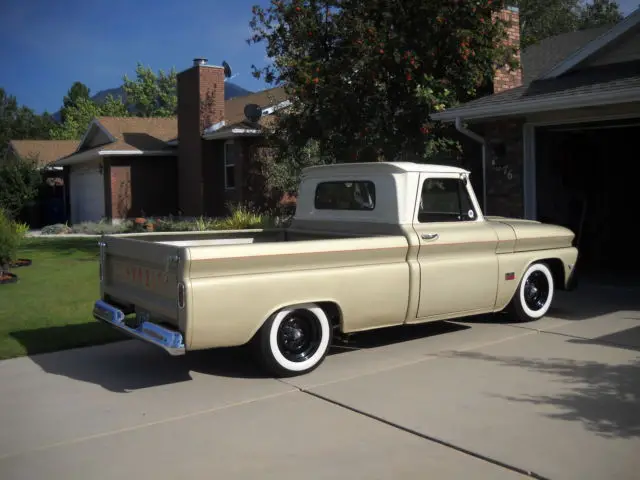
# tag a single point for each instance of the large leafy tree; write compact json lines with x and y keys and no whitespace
{"x":364,"y":77}
{"x":151,"y":94}
{"x":540,"y":19}
{"x":77,"y":93}
{"x":79,"y":115}
{"x":18,"y":122}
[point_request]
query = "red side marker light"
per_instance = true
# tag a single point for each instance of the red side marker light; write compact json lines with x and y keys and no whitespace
{"x":509,"y":276}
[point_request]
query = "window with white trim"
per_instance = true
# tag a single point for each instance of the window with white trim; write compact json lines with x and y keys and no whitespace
{"x":445,"y":200}
{"x":229,"y":166}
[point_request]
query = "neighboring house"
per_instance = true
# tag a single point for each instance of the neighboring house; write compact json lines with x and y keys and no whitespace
{"x":43,"y":151}
{"x":122,"y":167}
{"x":195,"y":164}
{"x":557,"y":144}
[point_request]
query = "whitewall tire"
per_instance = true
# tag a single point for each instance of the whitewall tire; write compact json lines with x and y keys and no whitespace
{"x":295,"y":340}
{"x":534,"y":295}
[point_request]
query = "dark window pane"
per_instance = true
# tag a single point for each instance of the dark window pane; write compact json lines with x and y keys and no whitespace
{"x":356,"y":195}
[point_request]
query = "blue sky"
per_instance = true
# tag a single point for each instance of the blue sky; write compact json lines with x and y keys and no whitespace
{"x":46,"y":45}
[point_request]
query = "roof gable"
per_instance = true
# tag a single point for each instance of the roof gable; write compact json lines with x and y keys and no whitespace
{"x":594,"y":46}
{"x":624,"y":49}
{"x":129,"y":133}
{"x":538,"y":59}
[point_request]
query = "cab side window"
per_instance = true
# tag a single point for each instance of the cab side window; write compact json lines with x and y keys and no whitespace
{"x":445,"y":200}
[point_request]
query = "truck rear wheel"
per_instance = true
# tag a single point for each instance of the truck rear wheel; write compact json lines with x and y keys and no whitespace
{"x":534,"y":294}
{"x":294,"y":341}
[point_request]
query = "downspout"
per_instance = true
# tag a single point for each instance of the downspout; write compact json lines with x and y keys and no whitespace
{"x":474,"y":136}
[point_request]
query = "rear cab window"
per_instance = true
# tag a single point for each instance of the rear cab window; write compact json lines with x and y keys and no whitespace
{"x":445,"y":200}
{"x":359,"y":195}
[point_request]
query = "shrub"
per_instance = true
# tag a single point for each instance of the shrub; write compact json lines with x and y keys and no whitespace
{"x":99,"y":228}
{"x":9,"y":240}
{"x":242,"y":218}
{"x":22,"y":229}
{"x":56,"y":229}
{"x":19,"y":182}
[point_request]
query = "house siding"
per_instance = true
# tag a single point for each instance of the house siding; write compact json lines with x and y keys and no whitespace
{"x":213,"y":177}
{"x":505,"y":193}
{"x":137,"y":186}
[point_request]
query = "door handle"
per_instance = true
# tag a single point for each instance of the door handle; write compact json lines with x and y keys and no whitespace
{"x":429,"y":236}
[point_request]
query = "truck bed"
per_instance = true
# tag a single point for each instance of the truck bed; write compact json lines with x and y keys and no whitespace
{"x":143,"y":273}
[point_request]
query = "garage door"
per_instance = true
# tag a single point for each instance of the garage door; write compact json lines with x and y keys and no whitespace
{"x":86,"y":196}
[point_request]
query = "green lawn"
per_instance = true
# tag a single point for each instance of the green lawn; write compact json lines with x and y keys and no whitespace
{"x":49,"y":309}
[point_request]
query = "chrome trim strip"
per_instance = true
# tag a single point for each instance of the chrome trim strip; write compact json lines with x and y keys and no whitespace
{"x":170,"y":341}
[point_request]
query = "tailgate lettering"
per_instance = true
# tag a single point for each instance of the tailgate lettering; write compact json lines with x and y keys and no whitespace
{"x":147,"y":278}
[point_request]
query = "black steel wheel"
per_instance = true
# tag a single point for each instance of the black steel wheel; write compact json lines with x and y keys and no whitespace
{"x":534,"y":294}
{"x":294,"y":341}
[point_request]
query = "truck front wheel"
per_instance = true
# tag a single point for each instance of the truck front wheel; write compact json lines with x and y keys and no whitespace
{"x":534,"y":294}
{"x":294,"y":341}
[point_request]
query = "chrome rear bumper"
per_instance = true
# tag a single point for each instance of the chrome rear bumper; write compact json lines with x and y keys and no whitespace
{"x":169,"y":340}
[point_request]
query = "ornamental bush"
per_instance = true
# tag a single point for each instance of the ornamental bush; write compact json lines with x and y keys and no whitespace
{"x":9,"y":240}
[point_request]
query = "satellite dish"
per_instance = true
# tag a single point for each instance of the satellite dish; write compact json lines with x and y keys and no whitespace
{"x":253,"y":112}
{"x":227,"y":69}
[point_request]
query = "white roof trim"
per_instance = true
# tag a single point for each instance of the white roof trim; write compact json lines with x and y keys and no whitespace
{"x":275,"y":108}
{"x":522,"y":107}
{"x":594,"y":46}
{"x":207,"y":134}
{"x":87,"y":155}
{"x":94,"y":123}
{"x":234,"y":132}
{"x":214,"y":127}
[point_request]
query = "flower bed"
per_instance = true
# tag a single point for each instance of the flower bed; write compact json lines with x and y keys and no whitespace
{"x":240,"y":218}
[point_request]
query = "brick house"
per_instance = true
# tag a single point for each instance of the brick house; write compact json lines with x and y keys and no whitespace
{"x":193,"y":164}
{"x":552,"y":142}
{"x":122,"y":167}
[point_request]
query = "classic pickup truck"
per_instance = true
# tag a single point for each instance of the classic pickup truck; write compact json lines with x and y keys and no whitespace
{"x":371,"y":245}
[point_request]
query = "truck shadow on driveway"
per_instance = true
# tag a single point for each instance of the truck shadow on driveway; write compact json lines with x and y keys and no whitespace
{"x":133,"y":365}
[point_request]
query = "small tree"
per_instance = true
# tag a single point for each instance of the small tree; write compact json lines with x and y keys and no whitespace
{"x":9,"y":240}
{"x":19,"y":183}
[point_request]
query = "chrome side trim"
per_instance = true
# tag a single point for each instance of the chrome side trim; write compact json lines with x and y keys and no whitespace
{"x":169,"y":340}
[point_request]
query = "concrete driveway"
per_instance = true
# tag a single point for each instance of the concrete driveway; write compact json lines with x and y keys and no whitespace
{"x":557,"y":399}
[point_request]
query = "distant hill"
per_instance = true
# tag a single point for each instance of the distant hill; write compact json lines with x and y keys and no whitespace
{"x":231,"y":90}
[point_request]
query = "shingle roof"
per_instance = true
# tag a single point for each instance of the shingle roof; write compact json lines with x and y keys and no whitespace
{"x":47,"y":151}
{"x":610,"y":78}
{"x":139,"y":133}
{"x":540,"y":58}
{"x":234,"y":108}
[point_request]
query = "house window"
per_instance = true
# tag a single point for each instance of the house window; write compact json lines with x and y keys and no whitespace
{"x":349,"y":195}
{"x":229,"y":167}
{"x":445,"y":200}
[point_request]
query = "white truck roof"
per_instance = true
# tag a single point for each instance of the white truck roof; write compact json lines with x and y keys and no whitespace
{"x":379,"y":167}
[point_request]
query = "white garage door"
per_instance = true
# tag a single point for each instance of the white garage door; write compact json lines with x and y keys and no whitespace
{"x":86,"y":196}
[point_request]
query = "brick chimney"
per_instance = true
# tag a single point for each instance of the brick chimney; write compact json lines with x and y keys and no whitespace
{"x":200,"y":104}
{"x":505,"y":78}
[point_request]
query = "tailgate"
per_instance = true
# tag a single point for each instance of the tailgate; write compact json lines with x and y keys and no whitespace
{"x":141,"y":275}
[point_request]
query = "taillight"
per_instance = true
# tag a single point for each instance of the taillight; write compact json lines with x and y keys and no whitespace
{"x":181,"y":295}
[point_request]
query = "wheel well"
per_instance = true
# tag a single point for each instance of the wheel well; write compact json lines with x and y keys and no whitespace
{"x":333,"y":313}
{"x":557,"y":271}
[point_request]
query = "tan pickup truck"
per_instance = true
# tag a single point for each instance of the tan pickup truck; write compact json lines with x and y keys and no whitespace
{"x":371,"y":245}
